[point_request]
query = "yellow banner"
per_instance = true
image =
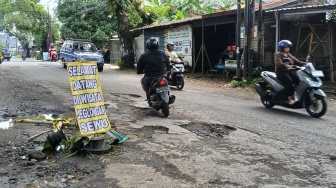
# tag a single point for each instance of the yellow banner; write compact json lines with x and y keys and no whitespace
{"x":88,"y":98}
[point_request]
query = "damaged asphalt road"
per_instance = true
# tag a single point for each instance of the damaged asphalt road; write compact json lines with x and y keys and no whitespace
{"x":213,"y":137}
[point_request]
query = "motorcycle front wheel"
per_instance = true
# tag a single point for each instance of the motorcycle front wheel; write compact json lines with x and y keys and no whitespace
{"x":165,"y":109}
{"x":317,"y":107}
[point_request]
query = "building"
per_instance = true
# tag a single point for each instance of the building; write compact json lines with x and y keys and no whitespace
{"x":204,"y":39}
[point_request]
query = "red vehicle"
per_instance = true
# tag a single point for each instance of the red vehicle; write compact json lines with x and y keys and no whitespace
{"x":53,"y":55}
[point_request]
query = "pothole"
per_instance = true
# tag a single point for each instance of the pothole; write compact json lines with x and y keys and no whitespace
{"x":149,"y":131}
{"x":333,"y":159}
{"x":209,"y":130}
{"x":125,"y":94}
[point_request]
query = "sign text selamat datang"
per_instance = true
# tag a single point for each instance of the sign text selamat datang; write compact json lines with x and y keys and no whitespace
{"x":88,"y":98}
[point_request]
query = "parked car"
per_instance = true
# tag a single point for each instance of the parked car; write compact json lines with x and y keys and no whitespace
{"x":74,"y":50}
{"x":6,"y":54}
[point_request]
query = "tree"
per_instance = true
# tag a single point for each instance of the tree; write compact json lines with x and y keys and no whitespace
{"x":130,"y":14}
{"x":195,"y":7}
{"x":26,"y":20}
{"x":86,"y":19}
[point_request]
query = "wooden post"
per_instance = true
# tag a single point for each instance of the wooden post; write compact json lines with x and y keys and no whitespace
{"x":330,"y":59}
{"x":324,"y":46}
{"x":297,"y":42}
{"x":202,"y":47}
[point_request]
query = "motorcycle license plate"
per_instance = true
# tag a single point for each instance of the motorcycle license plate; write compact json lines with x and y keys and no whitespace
{"x":162,"y":89}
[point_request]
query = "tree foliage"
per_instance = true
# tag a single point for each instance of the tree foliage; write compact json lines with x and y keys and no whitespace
{"x":86,"y":19}
{"x":136,"y":13}
{"x":26,"y":20}
{"x":191,"y":8}
{"x":130,"y":14}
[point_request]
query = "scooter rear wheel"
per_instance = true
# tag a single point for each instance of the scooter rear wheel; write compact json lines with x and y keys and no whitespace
{"x":165,"y":109}
{"x":267,"y":103}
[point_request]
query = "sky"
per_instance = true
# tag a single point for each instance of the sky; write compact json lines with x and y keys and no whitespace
{"x":52,"y":5}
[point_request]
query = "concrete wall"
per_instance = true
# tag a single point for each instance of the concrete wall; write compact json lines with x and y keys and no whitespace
{"x":115,"y":52}
{"x":139,"y":47}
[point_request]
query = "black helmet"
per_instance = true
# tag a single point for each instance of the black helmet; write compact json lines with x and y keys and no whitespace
{"x":169,"y":44}
{"x":152,"y":43}
{"x":284,"y":44}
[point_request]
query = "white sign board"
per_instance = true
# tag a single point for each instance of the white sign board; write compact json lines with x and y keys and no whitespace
{"x":242,"y":32}
{"x":181,"y":36}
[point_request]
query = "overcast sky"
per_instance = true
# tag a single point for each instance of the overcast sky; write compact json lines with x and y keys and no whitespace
{"x":52,"y":5}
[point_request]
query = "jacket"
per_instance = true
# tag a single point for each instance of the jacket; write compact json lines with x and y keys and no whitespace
{"x":172,"y":55}
{"x":153,"y":63}
{"x":280,"y":66}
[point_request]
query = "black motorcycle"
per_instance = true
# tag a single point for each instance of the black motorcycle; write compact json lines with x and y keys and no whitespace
{"x":160,"y":98}
{"x":177,"y":77}
{"x":307,"y":93}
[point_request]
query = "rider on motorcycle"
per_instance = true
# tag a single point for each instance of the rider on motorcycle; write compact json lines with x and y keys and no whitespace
{"x":24,"y":54}
{"x":153,"y":63}
{"x":51,"y":48}
{"x":281,"y":67}
{"x":172,"y":56}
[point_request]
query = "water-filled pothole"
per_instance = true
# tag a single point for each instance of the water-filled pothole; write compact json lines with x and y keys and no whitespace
{"x":209,"y":130}
{"x":6,"y":124}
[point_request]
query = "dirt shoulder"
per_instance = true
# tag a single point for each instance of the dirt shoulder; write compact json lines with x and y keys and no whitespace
{"x":22,"y":98}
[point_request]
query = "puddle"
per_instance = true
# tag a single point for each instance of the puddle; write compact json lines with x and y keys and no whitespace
{"x":34,"y":119}
{"x":48,"y":117}
{"x":6,"y":124}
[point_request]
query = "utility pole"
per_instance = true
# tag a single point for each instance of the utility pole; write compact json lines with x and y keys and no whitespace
{"x":251,"y":38}
{"x":49,"y":39}
{"x":259,"y":32}
{"x":247,"y":37}
{"x":238,"y":27}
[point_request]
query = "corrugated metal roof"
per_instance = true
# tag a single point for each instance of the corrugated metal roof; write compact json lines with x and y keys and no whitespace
{"x":274,"y":4}
{"x":305,"y":8}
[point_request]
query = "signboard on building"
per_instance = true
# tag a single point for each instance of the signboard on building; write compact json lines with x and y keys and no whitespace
{"x":181,"y":36}
{"x":88,"y":98}
{"x":242,"y":32}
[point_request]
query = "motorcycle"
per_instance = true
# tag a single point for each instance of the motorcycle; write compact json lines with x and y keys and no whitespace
{"x":308,"y":94}
{"x":24,"y":55}
{"x":160,"y":99}
{"x":53,"y":55}
{"x":177,"y":77}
